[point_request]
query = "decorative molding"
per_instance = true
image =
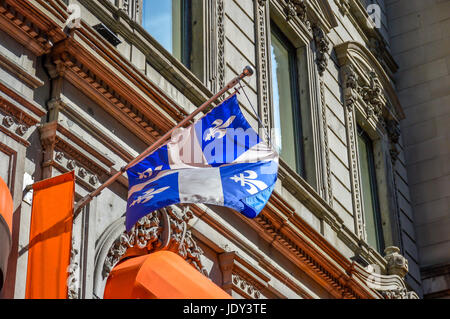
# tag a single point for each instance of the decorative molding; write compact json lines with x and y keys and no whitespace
{"x":64,"y":154}
{"x":308,"y":262}
{"x":350,"y":90}
{"x":389,"y":286}
{"x":263,"y":63}
{"x":326,"y":147}
{"x":19,"y":114}
{"x":245,"y":286}
{"x":164,"y":229}
{"x":37,"y":37}
{"x":241,"y":277}
{"x":344,"y":6}
{"x":10,"y":65}
{"x":220,"y":44}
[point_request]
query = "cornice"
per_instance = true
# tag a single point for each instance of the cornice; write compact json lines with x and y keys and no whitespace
{"x":18,"y":115}
{"x":24,"y":21}
{"x":17,"y":105}
{"x":73,"y":153}
{"x":110,"y":91}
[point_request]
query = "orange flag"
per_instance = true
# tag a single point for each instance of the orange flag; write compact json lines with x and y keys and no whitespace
{"x":50,"y":237}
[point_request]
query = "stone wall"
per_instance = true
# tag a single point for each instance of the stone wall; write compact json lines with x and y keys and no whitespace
{"x":420,"y":44}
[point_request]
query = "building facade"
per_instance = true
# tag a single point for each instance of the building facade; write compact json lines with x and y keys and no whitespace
{"x":90,"y":96}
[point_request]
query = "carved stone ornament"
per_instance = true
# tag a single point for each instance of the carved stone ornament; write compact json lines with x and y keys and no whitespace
{"x":350,"y":85}
{"x":163,"y":229}
{"x":297,"y":9}
{"x":8,"y":121}
{"x":245,"y":286}
{"x":372,"y":95}
{"x":322,"y":46}
{"x":350,"y":90}
{"x":397,"y":264}
{"x":59,"y":156}
{"x":21,"y":129}
{"x":93,"y":179}
{"x":72,"y":279}
{"x":71,"y":164}
{"x":393,"y":130}
{"x":82,"y":172}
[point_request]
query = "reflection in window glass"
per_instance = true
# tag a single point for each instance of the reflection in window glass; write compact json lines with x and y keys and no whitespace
{"x":163,"y":20}
{"x":287,"y":140}
{"x":369,"y":191}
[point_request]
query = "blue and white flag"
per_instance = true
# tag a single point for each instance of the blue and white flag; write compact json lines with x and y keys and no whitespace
{"x":218,"y":160}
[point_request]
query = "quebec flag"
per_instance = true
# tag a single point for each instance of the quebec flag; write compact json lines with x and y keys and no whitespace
{"x":218,"y":160}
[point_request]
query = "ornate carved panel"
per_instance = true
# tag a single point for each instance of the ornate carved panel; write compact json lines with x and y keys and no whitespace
{"x":164,"y":229}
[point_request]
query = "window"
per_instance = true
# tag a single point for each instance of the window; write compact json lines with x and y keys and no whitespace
{"x":286,"y":108}
{"x":169,"y":22}
{"x":369,"y":191}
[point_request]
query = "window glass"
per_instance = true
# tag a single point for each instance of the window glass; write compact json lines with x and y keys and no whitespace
{"x":285,"y":106}
{"x":164,"y":20}
{"x":369,"y":191}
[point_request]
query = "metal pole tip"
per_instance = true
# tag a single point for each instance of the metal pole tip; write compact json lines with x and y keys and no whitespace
{"x":248,"y":71}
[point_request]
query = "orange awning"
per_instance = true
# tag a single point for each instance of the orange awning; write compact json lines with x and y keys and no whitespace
{"x":6,"y":204}
{"x":160,"y":275}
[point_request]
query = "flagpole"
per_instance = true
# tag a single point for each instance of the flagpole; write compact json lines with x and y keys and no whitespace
{"x":248,"y":71}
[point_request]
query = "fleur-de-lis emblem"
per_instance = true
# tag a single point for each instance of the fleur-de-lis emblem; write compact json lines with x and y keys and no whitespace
{"x":251,"y":181}
{"x":219,"y":127}
{"x":148,"y":195}
{"x":149,"y":172}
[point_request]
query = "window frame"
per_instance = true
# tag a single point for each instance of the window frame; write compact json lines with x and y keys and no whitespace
{"x":186,"y":33}
{"x":374,"y":192}
{"x":295,"y":95}
{"x":186,"y":27}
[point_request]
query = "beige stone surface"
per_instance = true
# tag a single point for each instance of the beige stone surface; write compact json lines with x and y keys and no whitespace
{"x":420,"y":43}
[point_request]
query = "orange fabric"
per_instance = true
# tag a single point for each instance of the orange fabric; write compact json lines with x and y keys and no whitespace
{"x":160,"y":275}
{"x":50,"y":237}
{"x":6,"y":204}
